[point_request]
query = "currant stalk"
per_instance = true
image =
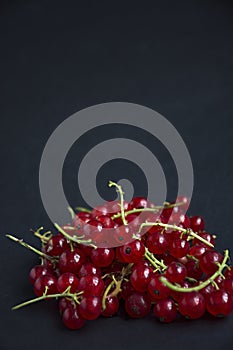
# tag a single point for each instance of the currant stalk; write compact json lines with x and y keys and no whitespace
{"x":28,"y":246}
{"x":65,"y":294}
{"x":74,"y":238}
{"x":188,"y":231}
{"x":203,"y":284}
{"x":121,"y":193}
{"x":154,"y":209}
{"x":158,"y":264}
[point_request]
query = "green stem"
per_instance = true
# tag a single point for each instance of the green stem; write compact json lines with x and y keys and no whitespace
{"x":26,"y":245}
{"x":159,"y":265}
{"x":177,"y":228}
{"x":121,"y":193}
{"x":48,"y":296}
{"x":106,"y":294}
{"x":203,"y":284}
{"x":74,"y":238}
{"x":45,"y":237}
{"x":72,"y":214}
{"x":85,"y":210}
{"x":140,"y":210}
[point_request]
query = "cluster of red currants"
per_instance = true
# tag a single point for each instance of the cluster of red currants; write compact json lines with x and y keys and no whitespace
{"x":160,"y":260}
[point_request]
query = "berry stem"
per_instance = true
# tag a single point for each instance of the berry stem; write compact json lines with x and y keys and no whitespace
{"x":121,"y":193}
{"x":106,"y":294}
{"x":85,"y":210}
{"x":159,"y":265}
{"x":177,"y":228}
{"x":154,"y":209}
{"x":45,"y":237}
{"x":72,"y":214}
{"x":26,"y":245}
{"x":203,"y":284}
{"x":73,"y":238}
{"x":49,"y":296}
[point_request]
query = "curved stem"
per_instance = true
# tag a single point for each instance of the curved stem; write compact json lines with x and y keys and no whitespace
{"x":74,"y":238}
{"x":203,"y":284}
{"x":48,"y":296}
{"x":28,"y":246}
{"x":159,"y":265}
{"x":85,"y":210}
{"x":154,"y":209}
{"x":121,"y":193}
{"x":45,"y":237}
{"x":177,"y":228}
{"x":72,"y":214}
{"x":106,"y":294}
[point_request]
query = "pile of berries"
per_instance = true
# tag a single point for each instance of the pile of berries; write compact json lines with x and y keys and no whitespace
{"x":148,"y":258}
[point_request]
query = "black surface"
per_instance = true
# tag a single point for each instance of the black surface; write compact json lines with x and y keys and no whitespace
{"x":57,"y":57}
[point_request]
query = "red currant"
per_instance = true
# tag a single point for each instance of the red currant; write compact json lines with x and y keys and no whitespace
{"x":90,"y":307}
{"x":72,"y":319}
{"x":132,"y":252}
{"x":165,"y":310}
{"x":219,"y":303}
{"x":43,"y":283}
{"x":192,"y":305}
{"x":66,"y":280}
{"x":137,"y":305}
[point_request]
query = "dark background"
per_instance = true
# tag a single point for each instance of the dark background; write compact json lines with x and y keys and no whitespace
{"x":57,"y":57}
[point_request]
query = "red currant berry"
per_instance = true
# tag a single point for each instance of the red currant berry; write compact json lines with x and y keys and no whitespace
{"x":112,"y":306}
{"x":90,"y":307}
{"x":157,"y":290}
{"x":72,"y":319}
{"x":91,"y":285}
{"x":193,"y":269}
{"x":80,"y":220}
{"x":165,"y":310}
{"x":102,"y":257}
{"x":179,"y":247}
{"x":219,"y":303}
{"x":126,"y":289}
{"x":137,"y":305}
{"x":71,"y":261}
{"x":106,"y":221}
{"x":185,"y":203}
{"x":207,"y":236}
{"x":157,"y":243}
{"x":92,"y":228}
{"x":177,"y":295}
{"x":207,"y":290}
{"x":43,"y":283}
{"x":122,"y":235}
{"x":197,"y":250}
{"x":132,"y":252}
{"x":140,"y":276}
{"x":66,"y":280}
{"x":197,"y":223}
{"x":227,"y":285}
{"x":176,"y":272}
{"x":192,"y":305}
{"x":99,"y":211}
{"x":56,"y":245}
{"x":64,"y":303}
{"x":37,"y":271}
{"x":229,"y":272}
{"x":209,"y":261}
{"x":180,"y":219}
{"x":89,"y":269}
{"x":138,"y":203}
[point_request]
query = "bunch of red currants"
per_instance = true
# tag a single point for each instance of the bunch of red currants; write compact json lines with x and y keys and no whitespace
{"x":146,"y":257}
